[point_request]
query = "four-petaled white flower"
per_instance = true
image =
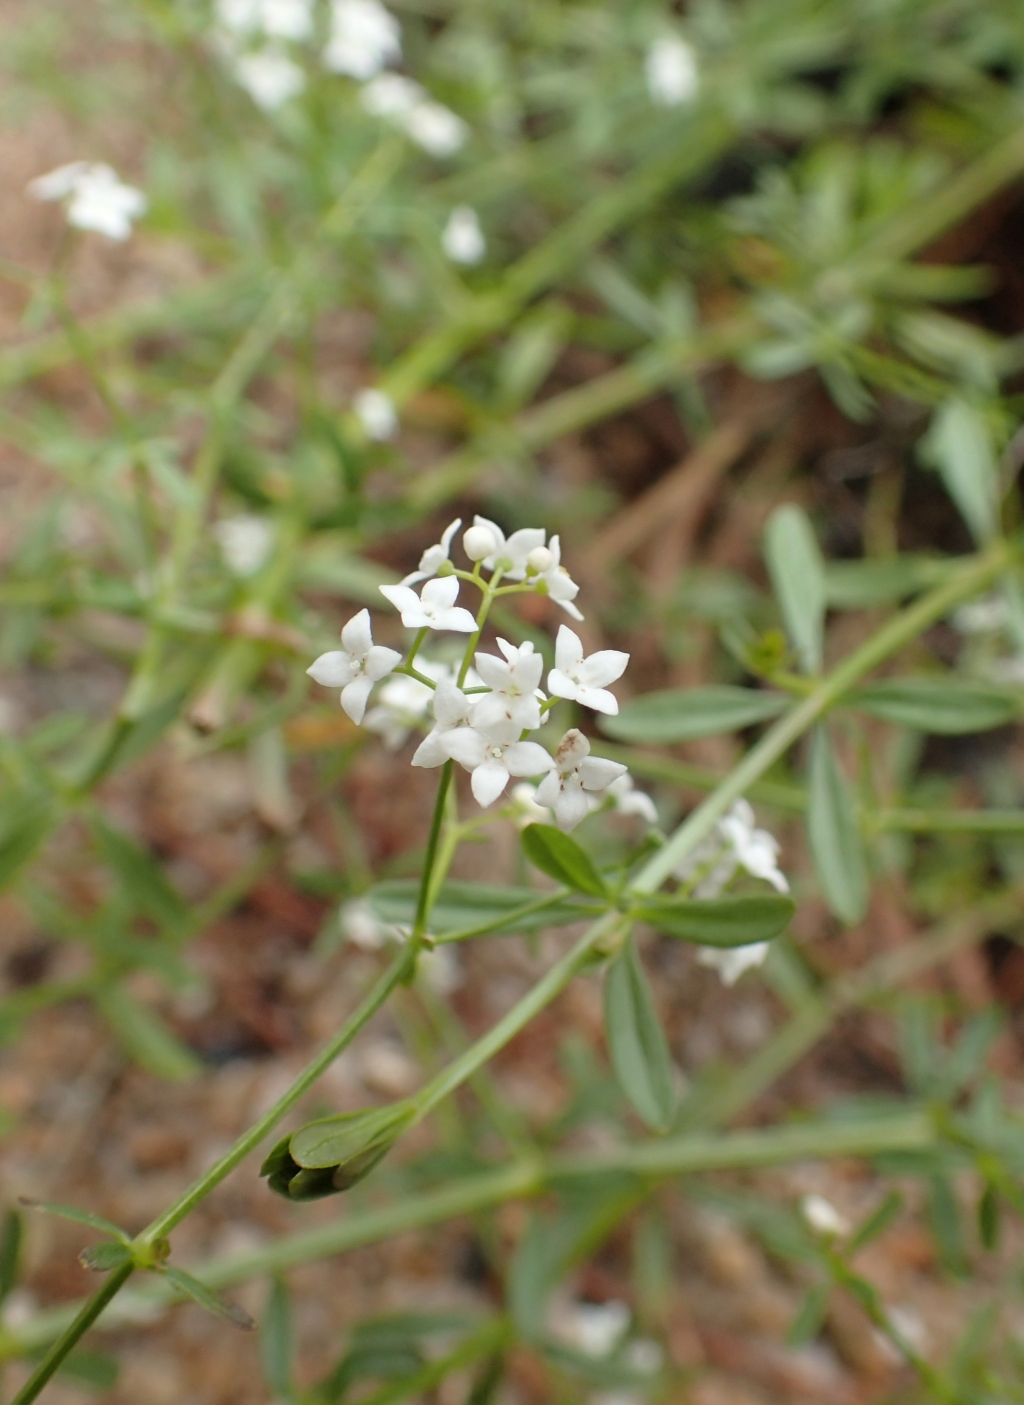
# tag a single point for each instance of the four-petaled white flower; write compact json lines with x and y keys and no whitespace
{"x":434,"y":555}
{"x":493,"y":758}
{"x":97,"y":198}
{"x":451,"y":711}
{"x":513,"y":682}
{"x":755,"y":849}
{"x":670,"y":67}
{"x":375,"y":411}
{"x":463,"y":239}
{"x":564,"y":789}
{"x":584,"y":680}
{"x":548,"y":569}
{"x":364,"y":38}
{"x":630,"y":801}
{"x":731,"y":961}
{"x":511,"y":551}
{"x":433,"y":608}
{"x":355,"y":667}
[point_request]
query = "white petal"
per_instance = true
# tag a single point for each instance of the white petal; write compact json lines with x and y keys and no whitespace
{"x":518,"y":548}
{"x":569,"y":608}
{"x":571,"y":750}
{"x":459,"y":620}
{"x":494,"y":672}
{"x":571,"y":807}
{"x":431,"y":750}
{"x":451,"y":706}
{"x":527,"y":759}
{"x":333,"y":670}
{"x":560,"y":684}
{"x":498,"y":534}
{"x":401,"y":597}
{"x":356,"y":635}
{"x":353,"y":698}
{"x":465,"y":745}
{"x":568,"y":650}
{"x":448,"y":533}
{"x":489,"y":780}
{"x":380,"y":661}
{"x":549,"y":790}
{"x":597,"y":773}
{"x":603,"y":668}
{"x":441,"y":594}
{"x":599,"y":699}
{"x":731,"y":962}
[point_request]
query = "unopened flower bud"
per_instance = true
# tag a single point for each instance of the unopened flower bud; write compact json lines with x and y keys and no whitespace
{"x":478,"y":543}
{"x":539,"y":561}
{"x":333,"y":1153}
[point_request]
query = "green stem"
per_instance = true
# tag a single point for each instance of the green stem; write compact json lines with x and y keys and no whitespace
{"x":900,"y":630}
{"x":424,"y":896}
{"x":66,"y":1343}
{"x":515,"y":914}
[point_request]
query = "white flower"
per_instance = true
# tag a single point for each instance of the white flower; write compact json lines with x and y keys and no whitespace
{"x":434,"y":555}
{"x":364,"y":38}
{"x":436,"y":129}
{"x":823,"y":1216}
{"x":402,"y":703}
{"x":270,"y":77}
{"x":595,"y":1329}
{"x":440,"y":969}
{"x":433,"y":608}
{"x":513,"y":683}
{"x":478,"y":543}
{"x":463,"y":239}
{"x":355,"y":668}
{"x":376,"y":412}
{"x":526,"y":809}
{"x":584,"y":679}
{"x":391,"y":95}
{"x":544,"y":565}
{"x":756,"y":850}
{"x":984,"y":616}
{"x":730,"y":962}
{"x":280,"y":19}
{"x":97,"y":198}
{"x":360,"y":925}
{"x":575,"y":772}
{"x":630,"y":801}
{"x":512,"y":551}
{"x":245,"y":542}
{"x":451,"y":710}
{"x":670,"y":67}
{"x":493,"y":757}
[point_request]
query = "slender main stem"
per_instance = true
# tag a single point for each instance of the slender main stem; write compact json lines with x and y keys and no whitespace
{"x":65,"y":1344}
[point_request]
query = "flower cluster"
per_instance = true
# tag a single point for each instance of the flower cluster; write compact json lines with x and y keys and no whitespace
{"x":735,"y":843}
{"x":482,"y":712}
{"x":95,"y":197}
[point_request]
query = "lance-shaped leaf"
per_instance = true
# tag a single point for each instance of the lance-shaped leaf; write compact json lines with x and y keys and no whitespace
{"x":86,"y":1217}
{"x":959,"y":445}
{"x":276,"y":1340}
{"x":948,"y":706}
{"x":143,"y":881}
{"x":561,"y":858}
{"x":333,"y":1153}
{"x":797,"y":574}
{"x":680,"y":714}
{"x":833,"y":833}
{"x":208,"y":1299}
{"x":636,"y":1040}
{"x":461,"y":907}
{"x":737,"y":921}
{"x":10,"y":1252}
{"x":100,"y":1258}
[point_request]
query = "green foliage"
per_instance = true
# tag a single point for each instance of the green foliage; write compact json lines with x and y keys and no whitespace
{"x":561,"y":858}
{"x":798,"y":578}
{"x":719,"y":922}
{"x":832,"y":832}
{"x":636,"y":1040}
{"x":680,"y":715}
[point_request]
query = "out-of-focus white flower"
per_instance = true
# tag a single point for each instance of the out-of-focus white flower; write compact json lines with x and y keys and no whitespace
{"x":985,"y":616}
{"x":97,"y":199}
{"x":278,"y":19}
{"x":670,"y":67}
{"x":269,"y":76}
{"x":451,"y":710}
{"x":402,"y":703}
{"x":433,"y":608}
{"x":630,"y":801}
{"x":364,"y":38}
{"x":645,"y":1355}
{"x":376,"y":412}
{"x":730,"y":962}
{"x":1010,"y":670}
{"x":432,"y":126}
{"x":575,"y":772}
{"x":492,"y":758}
{"x":582,"y":679}
{"x":525,"y":807}
{"x":756,"y":850}
{"x":595,"y":1329}
{"x":391,"y":95}
{"x":513,"y":683}
{"x":245,"y":542}
{"x":511,"y":551}
{"x":544,"y":567}
{"x":359,"y":924}
{"x":355,"y":667}
{"x":463,"y":239}
{"x":823,"y":1216}
{"x":441,"y":969}
{"x":437,"y":129}
{"x":433,"y":556}
{"x":386,"y":1068}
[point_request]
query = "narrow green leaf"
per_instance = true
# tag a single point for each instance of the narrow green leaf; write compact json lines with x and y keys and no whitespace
{"x":944,"y":1214}
{"x":959,"y":445}
{"x":460,"y":906}
{"x":718,"y":921}
{"x":97,"y":1370}
{"x":208,"y":1299}
{"x":143,"y":881}
{"x":876,"y":1223}
{"x":859,"y":585}
{"x":23,"y":833}
{"x":946,"y":706}
{"x":989,"y":1217}
{"x":833,"y":833}
{"x":276,"y":1340}
{"x":100,"y":1258}
{"x":680,"y":714}
{"x":798,"y":579}
{"x":145,"y":1036}
{"x":86,"y":1217}
{"x":636,"y":1040}
{"x":561,"y":858}
{"x":807,"y":1323}
{"x":10,"y":1252}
